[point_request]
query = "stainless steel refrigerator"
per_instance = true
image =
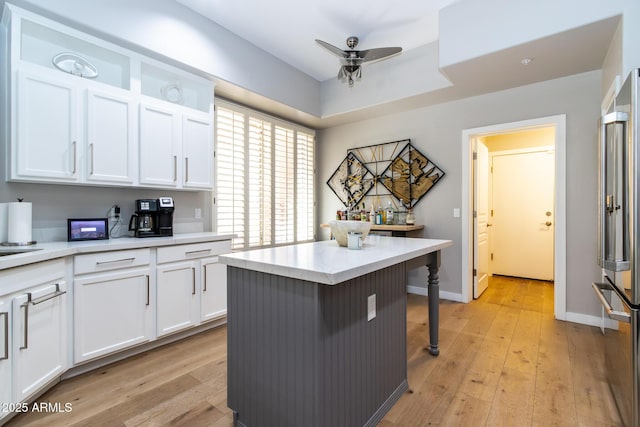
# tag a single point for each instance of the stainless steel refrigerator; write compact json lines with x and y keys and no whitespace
{"x":619,"y":246}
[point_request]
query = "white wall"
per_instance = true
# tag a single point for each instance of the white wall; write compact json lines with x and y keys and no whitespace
{"x":437,"y":130}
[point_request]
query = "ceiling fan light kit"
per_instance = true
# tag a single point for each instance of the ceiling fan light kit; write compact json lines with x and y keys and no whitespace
{"x":351,"y":60}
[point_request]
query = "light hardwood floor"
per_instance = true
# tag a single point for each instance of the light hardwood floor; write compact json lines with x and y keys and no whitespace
{"x":504,"y":361}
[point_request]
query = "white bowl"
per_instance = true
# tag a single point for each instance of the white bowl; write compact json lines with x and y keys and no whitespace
{"x":340,"y":229}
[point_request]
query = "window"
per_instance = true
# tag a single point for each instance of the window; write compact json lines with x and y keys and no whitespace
{"x":264,"y":178}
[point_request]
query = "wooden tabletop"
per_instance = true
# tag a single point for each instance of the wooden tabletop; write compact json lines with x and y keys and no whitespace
{"x":384,"y":227}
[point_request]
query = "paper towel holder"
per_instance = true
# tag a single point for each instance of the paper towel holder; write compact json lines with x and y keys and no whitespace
{"x":33,"y":242}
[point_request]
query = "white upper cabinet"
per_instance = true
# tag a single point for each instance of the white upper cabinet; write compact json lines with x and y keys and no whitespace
{"x":46,"y":140}
{"x":176,"y":129}
{"x":158,"y":146}
{"x":110,"y":143}
{"x":80,"y":110}
{"x":197,"y":151}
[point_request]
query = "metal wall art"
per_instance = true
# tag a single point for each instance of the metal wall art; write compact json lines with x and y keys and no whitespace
{"x":351,"y":181}
{"x":396,"y":169}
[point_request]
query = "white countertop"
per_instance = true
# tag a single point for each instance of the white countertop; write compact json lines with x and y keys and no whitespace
{"x":326,"y":262}
{"x":50,"y":250}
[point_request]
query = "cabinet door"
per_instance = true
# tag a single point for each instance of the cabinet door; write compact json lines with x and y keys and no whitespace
{"x":46,"y":142}
{"x":112,"y":311}
{"x":214,"y":289}
{"x":110,"y":139}
{"x":178,"y":299}
{"x":5,"y":356}
{"x":197,"y":146}
{"x":158,"y":158}
{"x":39,"y":338}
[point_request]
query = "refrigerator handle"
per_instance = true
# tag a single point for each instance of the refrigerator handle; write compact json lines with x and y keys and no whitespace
{"x":621,"y":316}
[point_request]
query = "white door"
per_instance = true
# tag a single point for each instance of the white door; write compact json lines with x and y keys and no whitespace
{"x":481,"y":208}
{"x":214,"y":289}
{"x":112,"y":311}
{"x":110,"y":139}
{"x":47,"y":117}
{"x":5,"y":357}
{"x":39,"y":339}
{"x":158,"y":146}
{"x":197,"y":146}
{"x":522,"y":235}
{"x":177,"y":297}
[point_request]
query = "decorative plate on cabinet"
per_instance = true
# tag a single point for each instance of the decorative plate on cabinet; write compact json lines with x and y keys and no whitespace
{"x":75,"y":64}
{"x":172,"y":93}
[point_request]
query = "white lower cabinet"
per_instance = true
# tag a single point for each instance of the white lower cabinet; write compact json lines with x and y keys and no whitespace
{"x":191,"y":285}
{"x":113,"y":309}
{"x":39,"y":338}
{"x":33,"y":331}
{"x":178,"y":290}
{"x":5,"y":357}
{"x":214,"y":289}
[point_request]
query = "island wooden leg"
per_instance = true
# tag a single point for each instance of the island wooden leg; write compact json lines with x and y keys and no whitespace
{"x":433,"y":264}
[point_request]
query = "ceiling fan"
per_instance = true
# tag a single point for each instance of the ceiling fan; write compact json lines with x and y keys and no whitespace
{"x":352,"y":59}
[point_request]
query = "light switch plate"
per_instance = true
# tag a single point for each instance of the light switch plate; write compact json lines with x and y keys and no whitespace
{"x":371,"y":307}
{"x":456,"y":212}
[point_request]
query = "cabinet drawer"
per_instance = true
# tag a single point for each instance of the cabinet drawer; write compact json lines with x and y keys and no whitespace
{"x":105,"y":261}
{"x":192,"y":251}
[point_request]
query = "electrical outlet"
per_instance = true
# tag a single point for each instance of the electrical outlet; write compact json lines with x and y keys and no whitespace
{"x":198,"y":213}
{"x":371,"y":307}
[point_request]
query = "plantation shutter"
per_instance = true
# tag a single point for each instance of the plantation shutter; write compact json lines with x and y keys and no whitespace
{"x":265,"y":186}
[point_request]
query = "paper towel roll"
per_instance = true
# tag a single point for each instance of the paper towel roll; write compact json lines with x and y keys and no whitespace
{"x":19,"y":222}
{"x":3,"y":222}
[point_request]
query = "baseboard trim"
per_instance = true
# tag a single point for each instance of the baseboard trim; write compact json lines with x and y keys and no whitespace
{"x":590,"y":320}
{"x":420,"y":290}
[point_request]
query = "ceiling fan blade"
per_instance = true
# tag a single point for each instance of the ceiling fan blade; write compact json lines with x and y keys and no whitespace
{"x":378,"y":53}
{"x":331,"y":48}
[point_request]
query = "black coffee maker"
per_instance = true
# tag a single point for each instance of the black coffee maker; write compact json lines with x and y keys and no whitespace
{"x":153,"y":217}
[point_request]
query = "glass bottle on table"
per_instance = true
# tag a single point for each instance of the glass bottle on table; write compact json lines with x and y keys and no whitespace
{"x":411,"y":218}
{"x":389,"y":214}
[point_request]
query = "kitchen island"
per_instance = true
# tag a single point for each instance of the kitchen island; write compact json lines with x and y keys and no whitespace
{"x":317,"y":332}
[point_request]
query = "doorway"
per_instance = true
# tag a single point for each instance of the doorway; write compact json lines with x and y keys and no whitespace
{"x":472,"y":222}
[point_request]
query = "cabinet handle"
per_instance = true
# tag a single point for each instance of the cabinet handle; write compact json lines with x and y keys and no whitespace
{"x":36,"y":301}
{"x":175,"y":168}
{"x":115,"y":260}
{"x":201,"y":251}
{"x":73,"y":172}
{"x":25,"y":339}
{"x":44,"y":298}
{"x":204,"y":285}
{"x":6,"y":335}
{"x":193,"y":280}
{"x":147,"y":276}
{"x":91,"y":159}
{"x":186,"y":170}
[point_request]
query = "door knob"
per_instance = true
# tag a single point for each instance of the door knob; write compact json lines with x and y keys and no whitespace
{"x":489,"y":225}
{"x":548,"y":213}
{"x":548,"y":223}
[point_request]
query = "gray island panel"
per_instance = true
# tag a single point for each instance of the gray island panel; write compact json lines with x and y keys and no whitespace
{"x":303,"y":353}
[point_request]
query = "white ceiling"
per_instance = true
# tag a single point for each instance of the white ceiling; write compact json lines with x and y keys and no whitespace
{"x":287,"y":28}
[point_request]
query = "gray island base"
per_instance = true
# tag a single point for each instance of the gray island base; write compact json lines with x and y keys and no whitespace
{"x":317,"y":332}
